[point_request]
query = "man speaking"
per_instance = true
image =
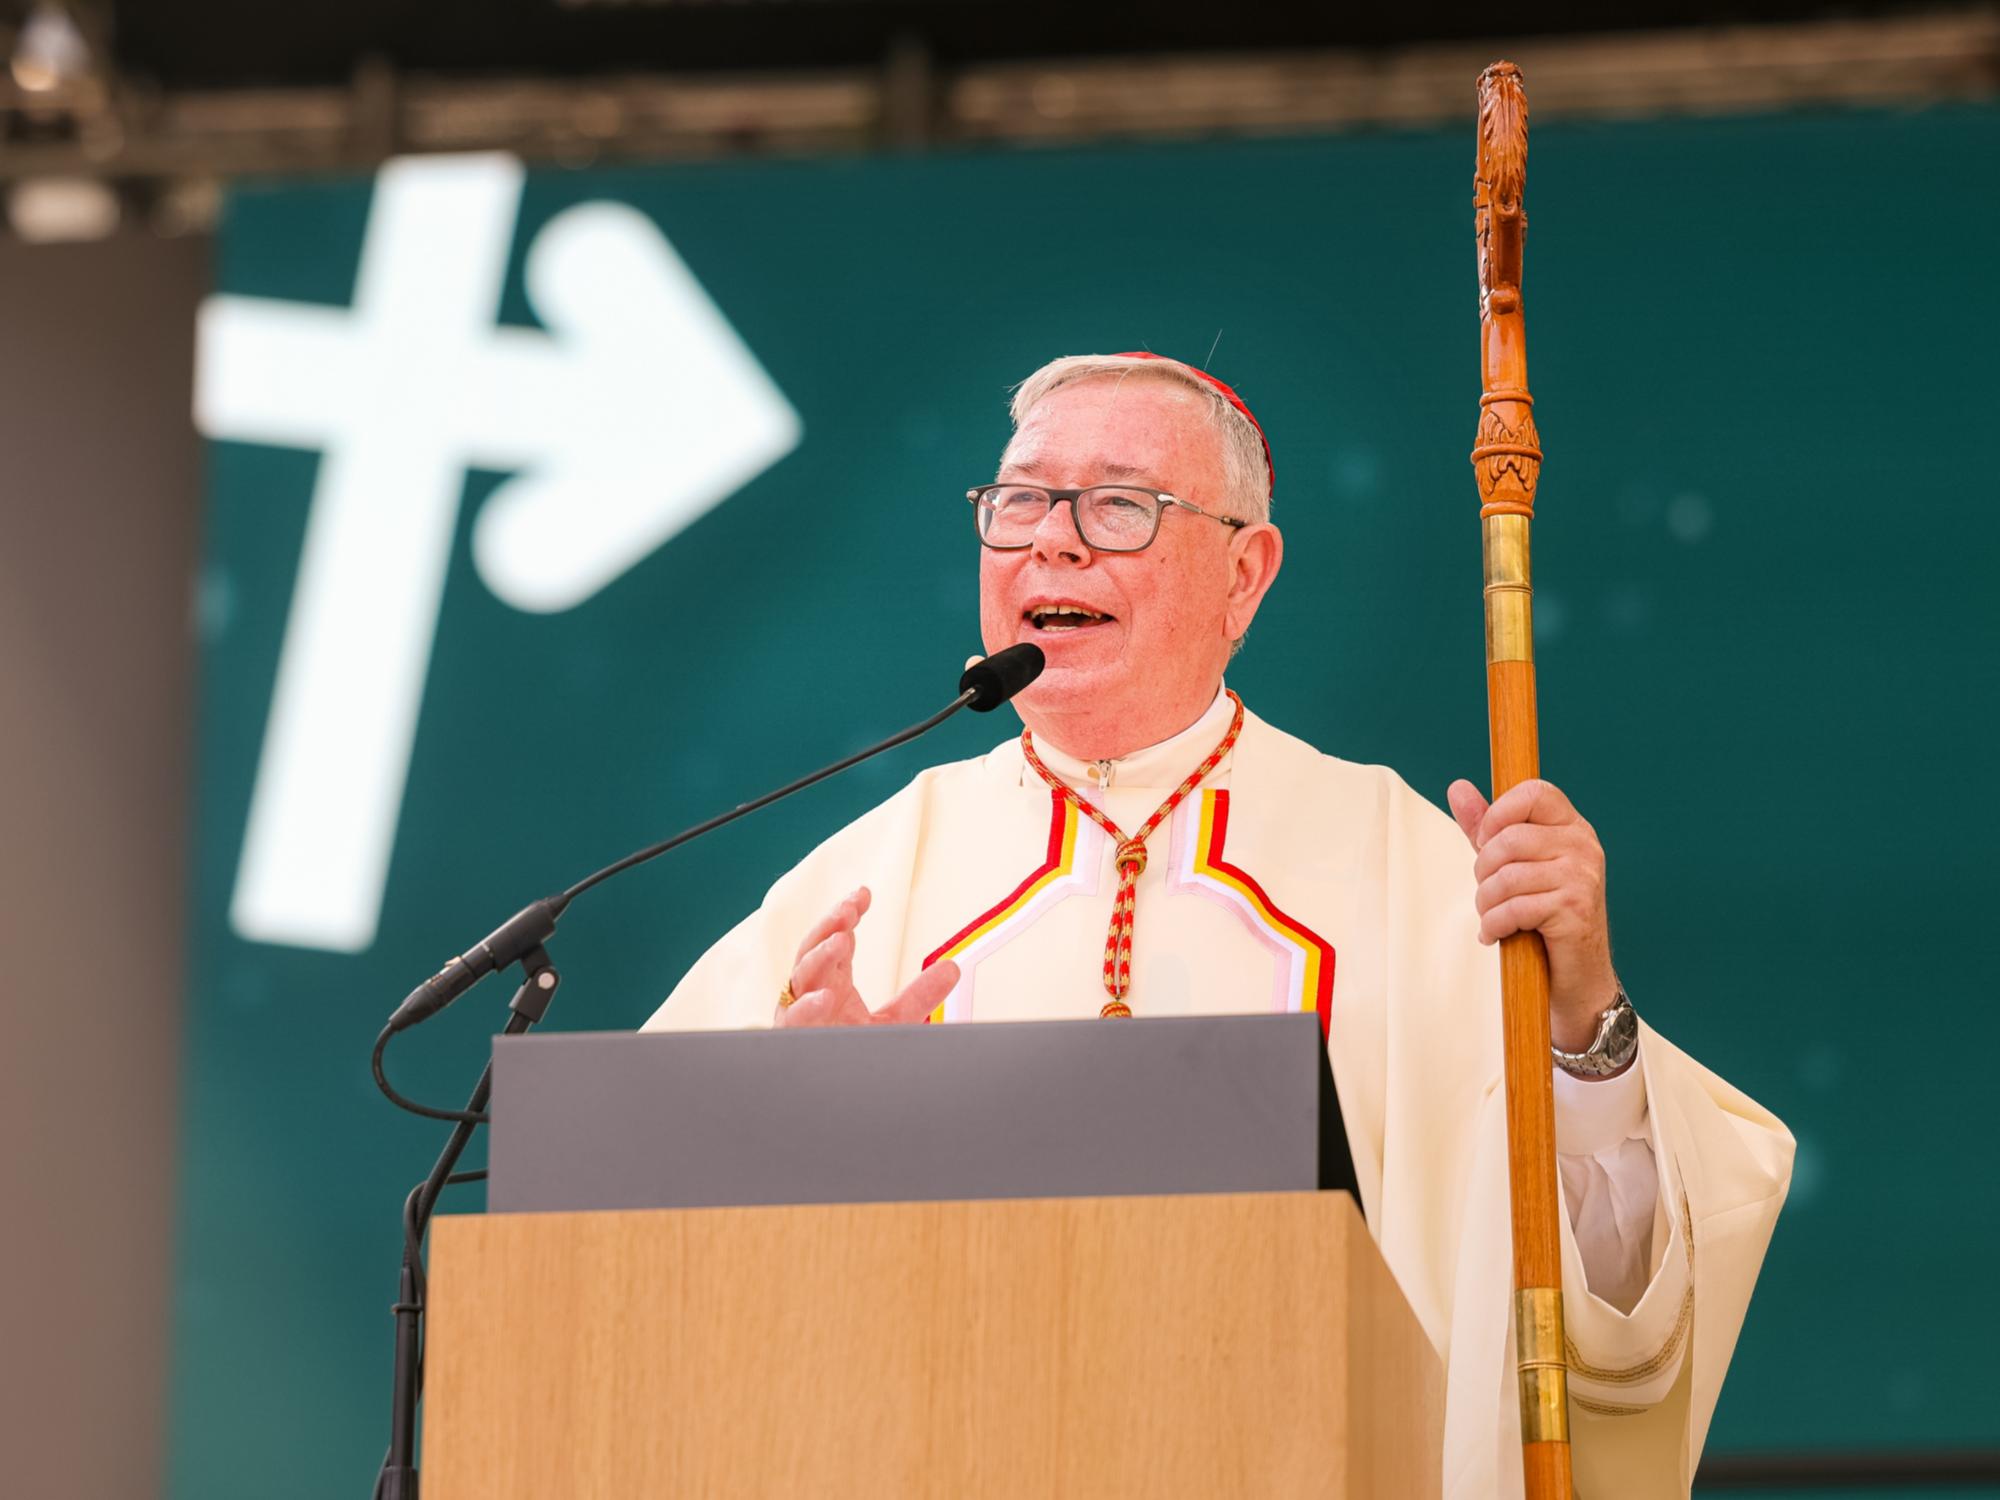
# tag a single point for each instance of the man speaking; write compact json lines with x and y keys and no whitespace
{"x":1150,"y":847}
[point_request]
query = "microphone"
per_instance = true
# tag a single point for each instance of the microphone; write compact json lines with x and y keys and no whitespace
{"x":983,"y":687}
{"x":1001,"y":675}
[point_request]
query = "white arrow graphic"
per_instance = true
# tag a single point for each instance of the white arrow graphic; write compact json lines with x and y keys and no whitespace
{"x":638,"y":411}
{"x":659,"y":411}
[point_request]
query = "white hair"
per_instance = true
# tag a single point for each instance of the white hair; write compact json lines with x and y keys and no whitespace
{"x":1245,"y":471}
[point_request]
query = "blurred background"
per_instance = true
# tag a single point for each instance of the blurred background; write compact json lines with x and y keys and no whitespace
{"x":449,"y":444}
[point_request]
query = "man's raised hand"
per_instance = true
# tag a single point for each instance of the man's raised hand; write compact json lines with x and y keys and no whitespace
{"x":823,"y":978}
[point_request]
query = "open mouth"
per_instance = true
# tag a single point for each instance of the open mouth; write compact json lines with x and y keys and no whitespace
{"x":1057,"y":617}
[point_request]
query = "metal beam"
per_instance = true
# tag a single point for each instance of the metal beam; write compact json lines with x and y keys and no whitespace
{"x":161,"y":144}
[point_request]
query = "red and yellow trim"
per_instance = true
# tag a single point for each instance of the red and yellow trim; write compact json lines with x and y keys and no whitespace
{"x":1058,"y":862}
{"x":1316,"y":989}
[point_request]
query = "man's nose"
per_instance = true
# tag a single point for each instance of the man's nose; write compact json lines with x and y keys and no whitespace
{"x":1058,"y":540}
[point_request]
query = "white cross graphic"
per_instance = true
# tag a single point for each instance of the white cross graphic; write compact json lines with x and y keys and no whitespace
{"x":638,"y":411}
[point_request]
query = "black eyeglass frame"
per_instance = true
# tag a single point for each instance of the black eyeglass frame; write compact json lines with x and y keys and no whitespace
{"x":1070,"y":497}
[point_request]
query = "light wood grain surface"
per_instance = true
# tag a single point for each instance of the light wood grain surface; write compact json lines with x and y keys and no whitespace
{"x":1212,"y":1346}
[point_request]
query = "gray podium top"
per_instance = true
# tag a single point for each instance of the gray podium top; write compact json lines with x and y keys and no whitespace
{"x":1032,"y":1109}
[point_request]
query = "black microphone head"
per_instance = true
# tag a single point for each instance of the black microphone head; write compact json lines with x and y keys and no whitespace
{"x":1000,"y":676}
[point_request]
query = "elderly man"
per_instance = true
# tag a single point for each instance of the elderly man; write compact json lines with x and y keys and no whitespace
{"x":1150,"y":847}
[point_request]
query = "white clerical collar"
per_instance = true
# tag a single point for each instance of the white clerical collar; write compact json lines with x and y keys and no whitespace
{"x":1161,"y":765}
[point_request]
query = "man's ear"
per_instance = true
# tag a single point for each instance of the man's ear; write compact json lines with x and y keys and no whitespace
{"x":1256,"y":553}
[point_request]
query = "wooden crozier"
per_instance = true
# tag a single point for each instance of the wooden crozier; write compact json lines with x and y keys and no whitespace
{"x":1507,"y":459}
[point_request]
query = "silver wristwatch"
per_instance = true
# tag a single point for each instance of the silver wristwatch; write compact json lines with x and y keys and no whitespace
{"x":1611,"y":1049}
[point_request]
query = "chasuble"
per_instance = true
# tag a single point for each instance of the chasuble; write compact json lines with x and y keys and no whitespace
{"x":1292,"y":880}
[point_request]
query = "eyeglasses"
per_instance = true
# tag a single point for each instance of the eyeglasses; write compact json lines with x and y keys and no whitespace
{"x":1109,"y":517}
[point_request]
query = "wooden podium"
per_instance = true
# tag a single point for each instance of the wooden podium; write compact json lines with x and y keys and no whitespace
{"x":1207,"y":1347}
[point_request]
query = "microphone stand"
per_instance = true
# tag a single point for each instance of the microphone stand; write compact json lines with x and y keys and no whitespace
{"x":398,"y":1480}
{"x":984,"y":686}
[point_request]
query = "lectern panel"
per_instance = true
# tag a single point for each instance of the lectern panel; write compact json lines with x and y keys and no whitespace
{"x":1159,"y":1348}
{"x":908,"y":1113}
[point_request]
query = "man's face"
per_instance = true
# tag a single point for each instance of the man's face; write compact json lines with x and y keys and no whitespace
{"x":1165,"y":613}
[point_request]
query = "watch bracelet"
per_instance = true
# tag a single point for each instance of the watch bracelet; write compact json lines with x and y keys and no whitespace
{"x":1611,"y":1049}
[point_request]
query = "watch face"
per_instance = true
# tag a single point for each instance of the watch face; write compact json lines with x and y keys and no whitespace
{"x":1623,"y":1037}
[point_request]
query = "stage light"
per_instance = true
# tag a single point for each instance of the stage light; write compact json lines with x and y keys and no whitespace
{"x":50,"y":51}
{"x":51,"y":210}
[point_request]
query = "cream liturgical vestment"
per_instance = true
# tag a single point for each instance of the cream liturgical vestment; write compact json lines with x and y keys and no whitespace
{"x":1292,"y":880}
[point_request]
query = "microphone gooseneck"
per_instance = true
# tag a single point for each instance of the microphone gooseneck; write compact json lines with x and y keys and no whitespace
{"x":983,"y":687}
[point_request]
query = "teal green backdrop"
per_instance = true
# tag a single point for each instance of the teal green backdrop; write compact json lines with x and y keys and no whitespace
{"x":1762,"y":351}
